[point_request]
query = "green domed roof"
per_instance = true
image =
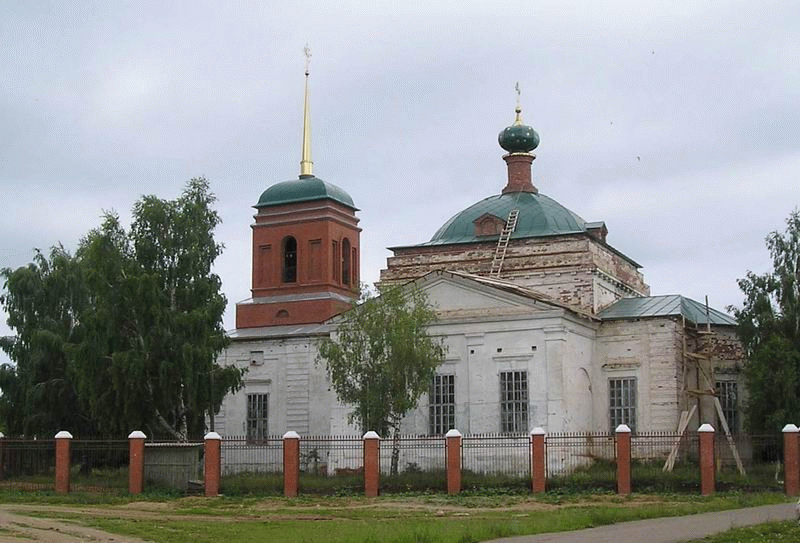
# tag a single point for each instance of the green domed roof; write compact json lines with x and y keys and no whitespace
{"x":304,"y":189}
{"x":538,"y":216}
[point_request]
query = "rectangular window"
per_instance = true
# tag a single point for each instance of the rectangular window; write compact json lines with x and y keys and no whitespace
{"x":257,"y":416}
{"x":622,"y":402}
{"x":728,"y":399}
{"x":442,"y":405}
{"x":513,"y":402}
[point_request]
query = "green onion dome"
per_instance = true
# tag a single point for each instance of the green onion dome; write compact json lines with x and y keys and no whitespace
{"x":518,"y":138}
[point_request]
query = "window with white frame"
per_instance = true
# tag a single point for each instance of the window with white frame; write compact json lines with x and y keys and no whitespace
{"x":513,"y":402}
{"x":727,"y":393}
{"x":442,"y":405}
{"x":622,"y":402}
{"x":257,"y":416}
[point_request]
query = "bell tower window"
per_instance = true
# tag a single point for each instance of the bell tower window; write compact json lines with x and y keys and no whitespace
{"x":289,"y":260}
{"x":346,"y":261}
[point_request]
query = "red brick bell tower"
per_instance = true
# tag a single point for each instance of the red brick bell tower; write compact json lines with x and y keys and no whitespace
{"x":306,"y":252}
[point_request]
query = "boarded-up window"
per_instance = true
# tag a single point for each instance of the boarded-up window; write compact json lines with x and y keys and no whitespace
{"x":355,"y":266}
{"x":264,"y":277}
{"x":336,"y":261}
{"x":315,"y":260}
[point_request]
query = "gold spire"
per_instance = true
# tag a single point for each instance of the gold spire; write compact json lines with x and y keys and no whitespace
{"x":306,"y":165}
{"x":518,"y":120}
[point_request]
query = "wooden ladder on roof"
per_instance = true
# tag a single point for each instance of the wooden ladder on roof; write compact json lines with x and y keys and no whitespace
{"x":502,"y":243}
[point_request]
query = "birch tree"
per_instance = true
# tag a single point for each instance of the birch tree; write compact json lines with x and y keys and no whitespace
{"x":145,"y":322}
{"x":381,"y":359}
{"x":769,"y":328}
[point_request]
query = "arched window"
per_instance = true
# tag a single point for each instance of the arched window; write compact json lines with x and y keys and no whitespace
{"x":346,"y":261}
{"x":289,"y":260}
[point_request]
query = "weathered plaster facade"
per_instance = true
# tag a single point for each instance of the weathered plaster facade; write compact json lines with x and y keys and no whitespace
{"x":578,"y":270}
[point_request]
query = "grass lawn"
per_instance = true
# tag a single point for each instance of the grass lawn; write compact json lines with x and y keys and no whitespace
{"x":763,"y":533}
{"x":420,"y":518}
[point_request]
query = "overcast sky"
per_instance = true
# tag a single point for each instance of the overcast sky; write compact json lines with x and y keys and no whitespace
{"x":675,"y":122}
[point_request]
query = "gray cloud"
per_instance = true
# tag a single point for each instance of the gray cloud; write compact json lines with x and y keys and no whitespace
{"x":675,"y":124}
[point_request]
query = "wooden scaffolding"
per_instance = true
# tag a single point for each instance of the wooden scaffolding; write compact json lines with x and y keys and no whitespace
{"x":697,"y":363}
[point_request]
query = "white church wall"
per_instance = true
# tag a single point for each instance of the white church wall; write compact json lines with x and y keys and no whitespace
{"x":479,"y":352}
{"x":649,"y":351}
{"x":299,"y":396}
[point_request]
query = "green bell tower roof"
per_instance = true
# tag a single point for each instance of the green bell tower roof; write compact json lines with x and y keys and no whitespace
{"x":304,"y":189}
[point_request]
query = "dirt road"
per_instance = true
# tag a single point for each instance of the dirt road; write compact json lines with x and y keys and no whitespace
{"x":17,"y":527}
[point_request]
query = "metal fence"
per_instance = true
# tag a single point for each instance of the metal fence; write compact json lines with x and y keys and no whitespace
{"x":567,"y":453}
{"x":96,"y":465}
{"x":99,"y":464}
{"x":496,"y":454}
{"x":28,"y":464}
{"x":420,"y":464}
{"x":330,"y":464}
{"x":243,"y":455}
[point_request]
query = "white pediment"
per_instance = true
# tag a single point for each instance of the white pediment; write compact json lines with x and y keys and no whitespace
{"x":456,"y":295}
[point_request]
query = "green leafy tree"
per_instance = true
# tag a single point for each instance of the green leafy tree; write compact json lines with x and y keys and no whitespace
{"x":147,"y":327}
{"x":769,"y":329}
{"x":43,"y":301}
{"x":381,"y":359}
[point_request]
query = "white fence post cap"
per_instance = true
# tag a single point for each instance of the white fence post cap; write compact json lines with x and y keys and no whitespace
{"x":538,"y":431}
{"x":291,"y":434}
{"x":453,"y":433}
{"x":213,"y":435}
{"x":2,"y":435}
{"x":63,"y":434}
{"x":623,"y":429}
{"x":706,"y":428}
{"x":790,"y":428}
{"x":137,"y":434}
{"x":371,"y":435}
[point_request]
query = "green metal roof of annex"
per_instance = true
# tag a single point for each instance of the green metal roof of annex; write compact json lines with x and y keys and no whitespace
{"x":304,"y":189}
{"x":665,"y":306}
{"x":538,"y":216}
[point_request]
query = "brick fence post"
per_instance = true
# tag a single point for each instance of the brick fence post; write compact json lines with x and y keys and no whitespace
{"x":213,"y":463}
{"x":538,"y":461}
{"x":623,"y":433}
{"x":791,"y":462}
{"x":136,"y":462}
{"x":707,"y":474}
{"x":453,"y":448}
{"x":372,"y":465}
{"x":2,"y":462}
{"x":63,"y":441}
{"x":291,"y":464}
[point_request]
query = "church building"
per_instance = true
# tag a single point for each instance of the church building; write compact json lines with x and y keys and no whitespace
{"x":546,"y":323}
